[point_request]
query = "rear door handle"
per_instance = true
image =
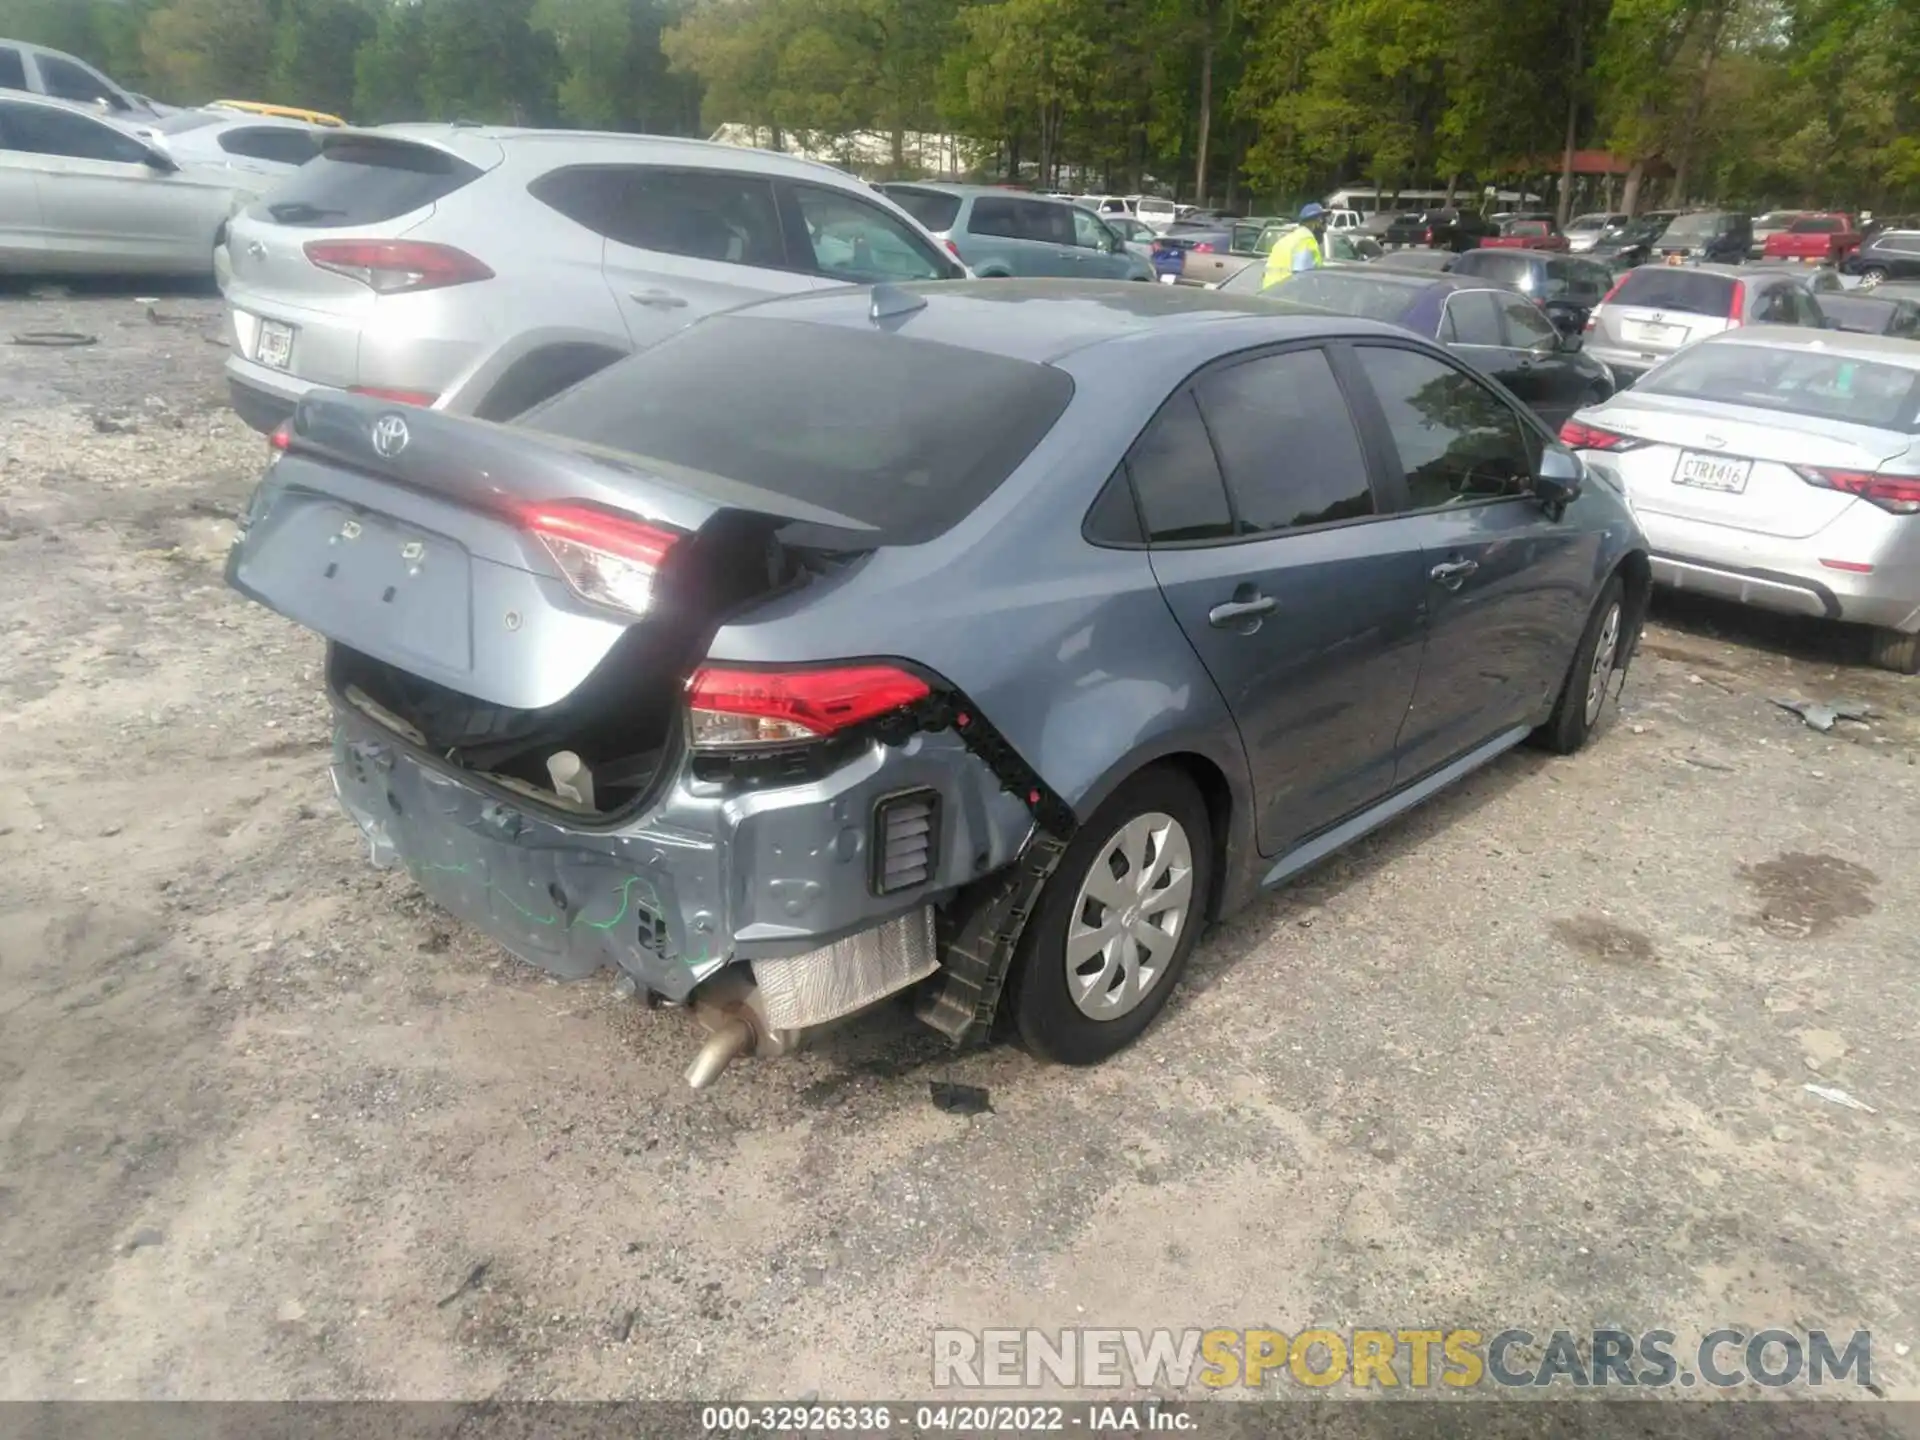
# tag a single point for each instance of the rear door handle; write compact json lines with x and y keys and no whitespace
{"x":663,"y":299}
{"x":1234,"y":611}
{"x":1451,"y":573}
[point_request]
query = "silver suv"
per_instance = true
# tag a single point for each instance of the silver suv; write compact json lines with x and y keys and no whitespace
{"x":1657,"y":309}
{"x":481,"y":270}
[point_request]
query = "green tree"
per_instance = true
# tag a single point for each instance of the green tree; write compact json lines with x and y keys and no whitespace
{"x":314,"y":50}
{"x":201,"y":50}
{"x":388,"y":67}
{"x":485,"y":61}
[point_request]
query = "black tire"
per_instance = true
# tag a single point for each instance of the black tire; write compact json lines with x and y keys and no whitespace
{"x":1891,"y":650}
{"x":1575,"y":719}
{"x":1050,"y":1023}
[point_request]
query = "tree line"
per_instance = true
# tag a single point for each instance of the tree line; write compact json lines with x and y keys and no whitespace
{"x":1239,"y":102}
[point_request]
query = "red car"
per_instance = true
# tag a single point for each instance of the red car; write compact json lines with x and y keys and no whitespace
{"x":1526,"y":235}
{"x":1823,"y":239}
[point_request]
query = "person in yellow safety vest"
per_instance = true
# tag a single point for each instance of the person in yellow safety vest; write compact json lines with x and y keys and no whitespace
{"x":1299,"y":248}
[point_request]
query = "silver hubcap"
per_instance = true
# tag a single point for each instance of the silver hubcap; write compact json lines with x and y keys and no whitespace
{"x":1128,"y":916}
{"x":1603,"y":655}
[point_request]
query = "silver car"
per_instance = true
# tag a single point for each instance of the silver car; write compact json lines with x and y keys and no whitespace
{"x":1779,"y":467}
{"x":59,"y":76}
{"x":1584,"y":231}
{"x":480,"y":270}
{"x":82,"y":194}
{"x":1656,"y":310}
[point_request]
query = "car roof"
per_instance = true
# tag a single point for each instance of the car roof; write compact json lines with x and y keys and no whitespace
{"x":1045,"y":320}
{"x":1847,"y":344}
{"x":485,"y":143}
{"x":1417,"y":279}
{"x":1004,"y":192}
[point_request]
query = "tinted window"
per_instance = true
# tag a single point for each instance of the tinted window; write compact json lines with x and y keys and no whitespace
{"x":995,"y":215}
{"x":1800,"y":382}
{"x":286,"y":147}
{"x":934,"y":209}
{"x":1041,"y":221}
{"x":1090,"y":234}
{"x":855,"y":241}
{"x":1527,"y":328}
{"x":1576,"y":280}
{"x":363,"y":181}
{"x":1457,"y":441}
{"x":1905,"y":242}
{"x":13,"y":70}
{"x":41,"y":130}
{"x":65,"y":80}
{"x":1347,"y":294}
{"x":1818,"y":225}
{"x":1473,"y":318}
{"x":1508,"y":269}
{"x":1176,"y":477}
{"x":889,"y":432}
{"x":1286,"y":442}
{"x":1667,"y":287}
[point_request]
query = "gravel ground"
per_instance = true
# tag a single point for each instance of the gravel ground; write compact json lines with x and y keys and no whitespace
{"x":271,"y":1126}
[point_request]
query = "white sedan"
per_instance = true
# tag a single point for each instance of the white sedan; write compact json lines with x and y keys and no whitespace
{"x":83,"y":194}
{"x":1778,"y":466}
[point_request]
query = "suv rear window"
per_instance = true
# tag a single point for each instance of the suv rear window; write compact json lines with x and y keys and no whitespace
{"x":364,"y":181}
{"x":1666,"y":287}
{"x":934,"y":209}
{"x":898,"y":434}
{"x":1799,"y":381}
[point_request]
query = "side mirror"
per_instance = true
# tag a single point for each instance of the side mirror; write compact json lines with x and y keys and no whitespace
{"x":1559,"y":479}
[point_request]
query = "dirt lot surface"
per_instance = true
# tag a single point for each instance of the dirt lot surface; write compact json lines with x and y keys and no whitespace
{"x":272,"y":1126}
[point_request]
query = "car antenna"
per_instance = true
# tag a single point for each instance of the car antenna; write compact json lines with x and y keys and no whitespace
{"x":891,"y":300}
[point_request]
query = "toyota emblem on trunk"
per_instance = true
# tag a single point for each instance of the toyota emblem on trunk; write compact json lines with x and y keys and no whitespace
{"x":390,"y":436}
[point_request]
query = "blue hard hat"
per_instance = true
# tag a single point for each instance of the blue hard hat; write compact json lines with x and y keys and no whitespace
{"x":1312,"y":210}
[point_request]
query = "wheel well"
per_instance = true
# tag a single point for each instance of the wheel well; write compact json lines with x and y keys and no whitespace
{"x":1636,"y":574}
{"x":541,"y":375}
{"x":1218,"y":795}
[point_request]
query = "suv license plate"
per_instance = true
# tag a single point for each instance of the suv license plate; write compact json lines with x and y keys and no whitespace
{"x":1710,"y":472}
{"x":275,"y":346}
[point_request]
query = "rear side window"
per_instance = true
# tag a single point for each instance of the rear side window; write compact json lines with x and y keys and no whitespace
{"x":724,"y":215}
{"x":1177,"y":479}
{"x":1457,"y":441}
{"x":269,"y":142}
{"x":901,"y":435}
{"x":1799,"y":381}
{"x":993,"y":215}
{"x":13,"y":70}
{"x":1667,"y":287}
{"x":65,"y":80}
{"x":364,"y":181}
{"x":1473,"y":318}
{"x":1286,"y":442}
{"x":935,"y":209}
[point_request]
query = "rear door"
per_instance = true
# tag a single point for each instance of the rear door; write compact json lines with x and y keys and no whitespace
{"x":1000,"y":239}
{"x":1504,"y":585}
{"x":1257,"y":500}
{"x":21,"y":236}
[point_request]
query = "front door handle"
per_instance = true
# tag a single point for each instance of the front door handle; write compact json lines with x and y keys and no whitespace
{"x":1224,"y":616}
{"x":664,"y":300}
{"x":1451,"y":573}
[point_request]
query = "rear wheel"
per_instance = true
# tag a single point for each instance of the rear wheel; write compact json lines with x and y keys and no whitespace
{"x":1116,"y":922}
{"x":1583,"y":698}
{"x":1892,"y":650}
{"x":1872,"y":276}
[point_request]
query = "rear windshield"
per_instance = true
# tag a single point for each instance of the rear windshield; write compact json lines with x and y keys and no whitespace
{"x":1665,"y":287}
{"x":1817,"y":225}
{"x":1345,"y":294}
{"x":363,"y":181}
{"x":1800,"y":382}
{"x":1702,"y":226}
{"x":934,"y":209}
{"x":187,"y":120}
{"x":902,"y":435}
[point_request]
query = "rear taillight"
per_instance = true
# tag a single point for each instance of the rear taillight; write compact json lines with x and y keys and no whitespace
{"x":396,"y":267}
{"x":280,"y":441}
{"x":1896,"y":494}
{"x":1737,"y":306}
{"x":607,"y":558}
{"x":1576,"y":436}
{"x":735,"y":709}
{"x":1203,"y":247}
{"x":422,"y":398}
{"x":1426,"y":237}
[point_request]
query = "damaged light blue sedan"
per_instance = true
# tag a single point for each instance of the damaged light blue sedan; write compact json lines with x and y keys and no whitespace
{"x":983,"y":640}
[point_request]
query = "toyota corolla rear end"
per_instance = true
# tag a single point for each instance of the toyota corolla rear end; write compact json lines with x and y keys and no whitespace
{"x":528,"y":642}
{"x":1777,"y":469}
{"x":337,"y":279}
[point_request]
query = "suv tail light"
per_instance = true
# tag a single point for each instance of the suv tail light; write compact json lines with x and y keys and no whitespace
{"x":396,"y":267}
{"x":1896,"y":494}
{"x":1593,"y":315}
{"x":1738,"y":304}
{"x":1576,"y":436}
{"x":1426,"y":236}
{"x":743,"y":709}
{"x":607,"y":558}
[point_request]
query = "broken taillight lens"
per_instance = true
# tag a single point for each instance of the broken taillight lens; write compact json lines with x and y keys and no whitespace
{"x":1896,"y":494}
{"x":737,"y":708}
{"x":1576,"y":436}
{"x":607,"y":558}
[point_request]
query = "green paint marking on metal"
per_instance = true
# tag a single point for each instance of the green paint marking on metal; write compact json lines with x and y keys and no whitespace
{"x":554,"y":919}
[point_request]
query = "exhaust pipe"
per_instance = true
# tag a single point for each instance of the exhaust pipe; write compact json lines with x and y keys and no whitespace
{"x":733,"y":1039}
{"x":729,"y":1005}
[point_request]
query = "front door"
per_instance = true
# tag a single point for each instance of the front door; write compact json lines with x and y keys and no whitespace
{"x":1254,"y":489}
{"x":1504,"y":581}
{"x":1554,"y":388}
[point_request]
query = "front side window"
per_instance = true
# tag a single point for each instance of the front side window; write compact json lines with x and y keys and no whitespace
{"x":855,"y":241}
{"x":42,"y":130}
{"x":1177,"y":479}
{"x":1527,"y":328}
{"x":1286,"y":442}
{"x":1089,"y":233}
{"x":1457,"y":441}
{"x":65,"y":80}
